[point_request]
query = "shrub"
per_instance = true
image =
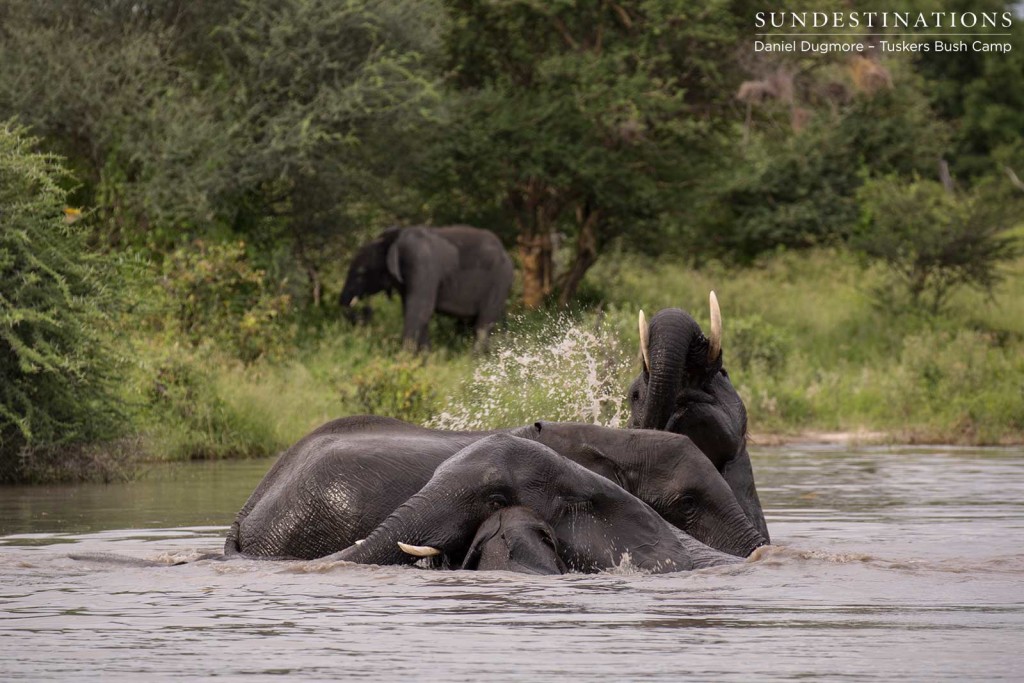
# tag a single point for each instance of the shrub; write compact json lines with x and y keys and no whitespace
{"x":397,"y":388}
{"x":757,"y":345}
{"x":57,"y":368}
{"x":191,"y":420}
{"x":219,"y":296}
{"x":932,"y":241}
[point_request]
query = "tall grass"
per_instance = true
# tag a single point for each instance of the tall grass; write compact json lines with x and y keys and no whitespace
{"x":808,"y":348}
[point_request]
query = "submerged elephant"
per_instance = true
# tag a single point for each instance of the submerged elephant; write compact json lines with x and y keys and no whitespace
{"x":340,"y":482}
{"x":515,"y":539}
{"x":684,"y":388}
{"x":595,"y":524}
{"x":458,"y":270}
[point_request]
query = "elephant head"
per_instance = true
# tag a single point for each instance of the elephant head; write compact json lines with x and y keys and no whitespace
{"x":684,"y":388}
{"x":373,"y":269}
{"x":665,"y":470}
{"x":515,"y":539}
{"x":596,"y":523}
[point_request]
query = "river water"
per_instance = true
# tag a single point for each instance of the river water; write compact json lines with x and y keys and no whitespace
{"x":903,"y":563}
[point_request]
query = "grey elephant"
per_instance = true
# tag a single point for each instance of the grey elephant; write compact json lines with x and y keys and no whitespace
{"x":684,"y":388}
{"x":515,"y":539}
{"x":458,"y":270}
{"x":595,"y":524}
{"x":336,"y":485}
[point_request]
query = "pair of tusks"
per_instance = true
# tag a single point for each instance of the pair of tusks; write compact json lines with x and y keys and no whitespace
{"x":714,"y":341}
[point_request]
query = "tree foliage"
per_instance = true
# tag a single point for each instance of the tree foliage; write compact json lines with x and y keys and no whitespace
{"x":574,"y":118}
{"x":932,"y":240}
{"x":56,"y":366}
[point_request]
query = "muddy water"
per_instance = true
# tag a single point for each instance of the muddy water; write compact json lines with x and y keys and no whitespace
{"x":890,"y":564}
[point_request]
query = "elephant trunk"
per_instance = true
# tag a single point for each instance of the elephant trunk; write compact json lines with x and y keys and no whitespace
{"x":668,"y":356}
{"x":382,"y":546}
{"x":739,"y":541}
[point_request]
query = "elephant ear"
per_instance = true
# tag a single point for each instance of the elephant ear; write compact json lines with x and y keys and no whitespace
{"x":393,"y":258}
{"x":486,"y":531}
{"x":596,"y":461}
{"x":422,"y":245}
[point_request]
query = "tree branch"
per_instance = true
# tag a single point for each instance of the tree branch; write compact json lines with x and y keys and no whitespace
{"x":1014,"y":179}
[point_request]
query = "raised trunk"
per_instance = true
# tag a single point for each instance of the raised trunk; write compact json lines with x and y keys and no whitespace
{"x":668,"y":352}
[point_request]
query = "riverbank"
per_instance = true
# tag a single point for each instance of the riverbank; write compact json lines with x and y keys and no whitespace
{"x":814,"y":358}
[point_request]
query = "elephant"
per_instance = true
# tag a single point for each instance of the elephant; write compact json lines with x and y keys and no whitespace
{"x":595,"y":524}
{"x":684,"y":388}
{"x":457,"y":270}
{"x":515,"y":539}
{"x":337,"y":484}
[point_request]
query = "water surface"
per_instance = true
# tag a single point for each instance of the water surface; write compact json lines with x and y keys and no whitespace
{"x":889,"y":563}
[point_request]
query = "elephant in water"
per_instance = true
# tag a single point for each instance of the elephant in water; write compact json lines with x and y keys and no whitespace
{"x":339,"y":483}
{"x":684,"y":388}
{"x":458,"y":270}
{"x":515,"y":539}
{"x":595,"y":524}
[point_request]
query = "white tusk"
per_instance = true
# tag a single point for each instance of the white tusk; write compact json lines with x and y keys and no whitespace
{"x":418,"y":550}
{"x":645,"y":341}
{"x":355,"y":300}
{"x":361,"y":541}
{"x":715,"y":341}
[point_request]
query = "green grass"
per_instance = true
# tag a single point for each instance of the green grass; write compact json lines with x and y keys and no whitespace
{"x":814,"y":353}
{"x":805,"y":345}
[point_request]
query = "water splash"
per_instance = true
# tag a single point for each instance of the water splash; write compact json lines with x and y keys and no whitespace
{"x":566,"y":370}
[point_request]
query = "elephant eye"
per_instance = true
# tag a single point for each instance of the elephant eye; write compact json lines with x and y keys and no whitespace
{"x":496,"y":501}
{"x":636,"y":396}
{"x":688,"y":503}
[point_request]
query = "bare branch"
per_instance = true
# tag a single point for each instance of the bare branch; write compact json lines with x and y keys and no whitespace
{"x":1013,"y":178}
{"x":945,"y":177}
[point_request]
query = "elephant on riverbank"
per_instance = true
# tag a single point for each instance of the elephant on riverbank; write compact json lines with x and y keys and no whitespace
{"x":595,"y":524}
{"x":339,"y":483}
{"x":458,"y":270}
{"x":684,"y":388}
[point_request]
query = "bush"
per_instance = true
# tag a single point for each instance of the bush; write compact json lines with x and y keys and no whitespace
{"x":57,"y":368}
{"x":397,"y":388}
{"x":931,"y":240}
{"x":219,"y":296}
{"x":757,"y":345}
{"x":191,"y":420}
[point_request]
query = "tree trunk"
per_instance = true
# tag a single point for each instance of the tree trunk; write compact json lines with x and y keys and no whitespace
{"x":536,"y":209}
{"x":315,"y":286}
{"x":586,"y":254}
{"x":535,"y":257}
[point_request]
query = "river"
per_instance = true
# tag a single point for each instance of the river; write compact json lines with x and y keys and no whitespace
{"x":890,"y":563}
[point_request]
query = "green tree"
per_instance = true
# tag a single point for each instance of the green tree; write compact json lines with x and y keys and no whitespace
{"x":572,"y":117}
{"x":57,"y":369}
{"x":292,"y":124}
{"x":931,"y":240}
{"x":981,"y":93}
{"x":329,"y":102}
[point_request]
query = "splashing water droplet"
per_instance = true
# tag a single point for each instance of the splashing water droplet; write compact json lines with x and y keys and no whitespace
{"x":565,"y":371}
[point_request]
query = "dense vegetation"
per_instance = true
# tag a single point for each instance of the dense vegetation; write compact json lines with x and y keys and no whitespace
{"x":220,"y":161}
